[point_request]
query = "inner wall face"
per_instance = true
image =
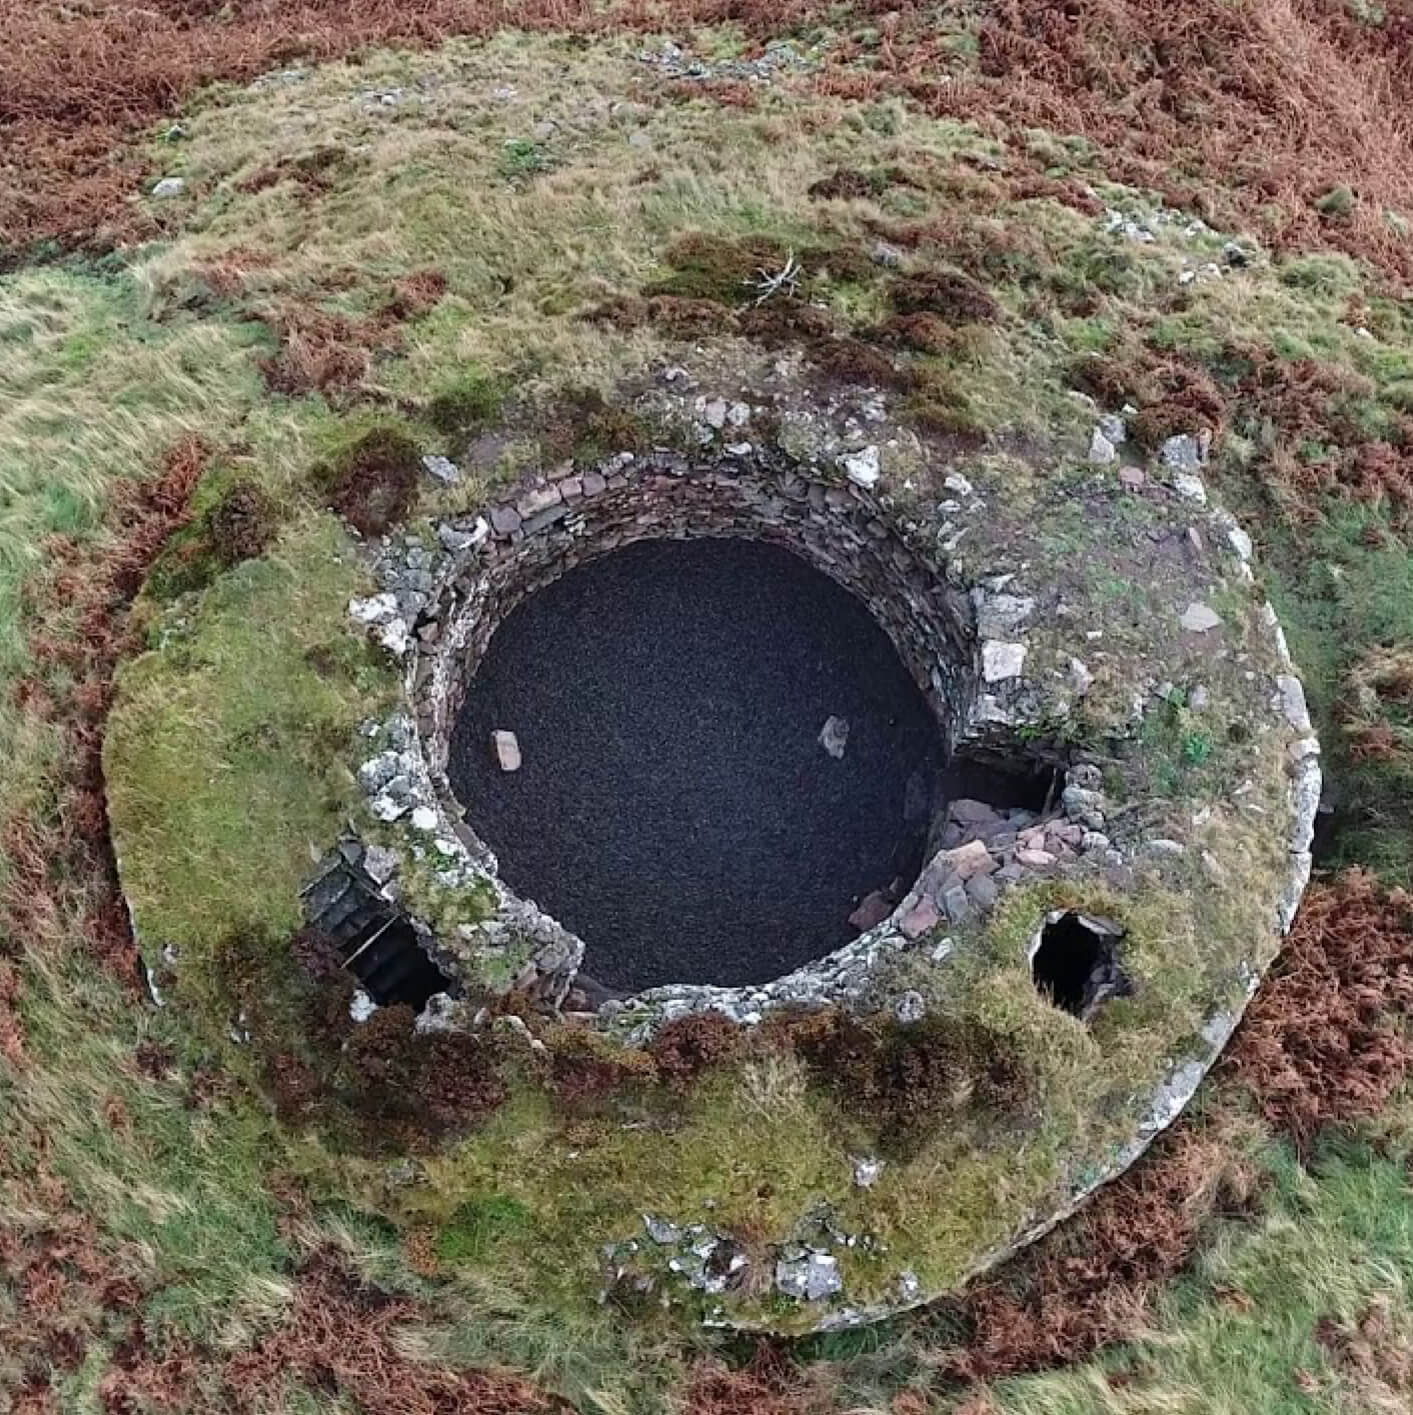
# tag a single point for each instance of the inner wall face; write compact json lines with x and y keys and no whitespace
{"x":675,"y":807}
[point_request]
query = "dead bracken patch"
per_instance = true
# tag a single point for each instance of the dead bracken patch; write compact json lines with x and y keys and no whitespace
{"x":242,"y":524}
{"x":420,"y":1086}
{"x":340,"y":1335}
{"x":1088,"y":1284}
{"x":63,"y":1282}
{"x":905,"y":1080}
{"x":949,"y":294}
{"x":1374,"y":1353}
{"x":770,"y":1383}
{"x":373,"y":484}
{"x":847,"y":182}
{"x":414,"y":295}
{"x":685,"y":1048}
{"x":581,"y":424}
{"x":321,"y":352}
{"x":313,"y":172}
{"x":1325,"y":1041}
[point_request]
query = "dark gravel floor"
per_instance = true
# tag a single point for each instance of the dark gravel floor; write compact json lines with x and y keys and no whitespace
{"x":675,"y":807}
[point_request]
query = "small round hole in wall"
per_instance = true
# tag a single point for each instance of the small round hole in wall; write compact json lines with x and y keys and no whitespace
{"x":1076,"y":962}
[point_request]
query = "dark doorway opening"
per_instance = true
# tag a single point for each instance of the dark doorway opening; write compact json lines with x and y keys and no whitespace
{"x":392,"y":965}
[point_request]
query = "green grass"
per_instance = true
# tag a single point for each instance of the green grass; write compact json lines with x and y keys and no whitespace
{"x":233,"y":777}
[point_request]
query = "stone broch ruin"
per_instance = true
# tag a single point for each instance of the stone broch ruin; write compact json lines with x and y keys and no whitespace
{"x":1063,"y":669}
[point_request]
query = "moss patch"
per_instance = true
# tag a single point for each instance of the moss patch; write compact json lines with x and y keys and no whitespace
{"x":223,"y":777}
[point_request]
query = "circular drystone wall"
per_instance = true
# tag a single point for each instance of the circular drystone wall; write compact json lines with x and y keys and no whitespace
{"x":1121,"y":836}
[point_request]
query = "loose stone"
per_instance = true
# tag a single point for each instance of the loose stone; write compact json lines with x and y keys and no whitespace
{"x":1114,"y":429}
{"x":504,"y":520}
{"x":507,"y":750}
{"x":1000,"y":661}
{"x":920,"y":918}
{"x":910,"y":1008}
{"x":537,"y":499}
{"x":442,"y":469}
{"x":1290,"y":695}
{"x":169,"y":187}
{"x":1199,"y":618}
{"x":872,"y":911}
{"x":1181,"y":454}
{"x":1102,"y":452}
{"x":1190,"y":487}
{"x":861,"y":468}
{"x":867,"y":1168}
{"x":810,"y":1278}
{"x":956,"y":903}
{"x":834,"y":736}
{"x":982,"y":891}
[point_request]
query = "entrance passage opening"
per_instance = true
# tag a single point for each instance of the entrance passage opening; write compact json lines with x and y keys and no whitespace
{"x":719,"y":754}
{"x":1076,"y":965}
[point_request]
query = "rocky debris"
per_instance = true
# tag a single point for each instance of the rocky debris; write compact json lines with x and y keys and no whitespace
{"x":361,"y":1007}
{"x":1290,"y":701}
{"x":834,"y":736}
{"x":867,"y":1168}
{"x":872,"y":911}
{"x":168,"y":188}
{"x":1189,"y":487}
{"x":781,"y":56}
{"x":661,"y":1231}
{"x":1000,"y":661}
{"x":1113,"y":429}
{"x":920,"y":918}
{"x":910,"y":1008}
{"x":1102,"y":452}
{"x":861,"y":468}
{"x":442,"y":469}
{"x":505,"y":520}
{"x":506,"y":747}
{"x":998,"y":616}
{"x":701,"y":1257}
{"x":807,"y":1276}
{"x":1080,"y":678}
{"x":380,"y":863}
{"x":1132,"y":478}
{"x":457,"y":540}
{"x":1182,"y":453}
{"x":538,"y":499}
{"x":1199,"y":618}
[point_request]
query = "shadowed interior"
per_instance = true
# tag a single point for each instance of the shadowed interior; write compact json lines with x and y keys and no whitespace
{"x":675,"y":806}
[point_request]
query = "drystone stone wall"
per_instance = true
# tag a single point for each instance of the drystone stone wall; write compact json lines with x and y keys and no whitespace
{"x":568,"y":519}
